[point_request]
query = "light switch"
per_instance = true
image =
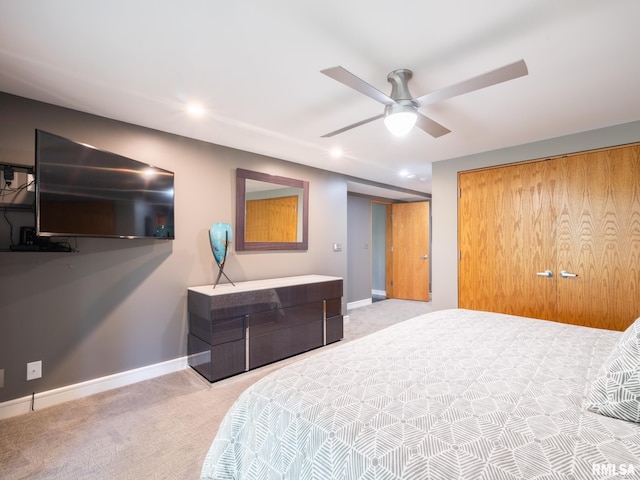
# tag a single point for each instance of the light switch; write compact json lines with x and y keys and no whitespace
{"x":337,"y":247}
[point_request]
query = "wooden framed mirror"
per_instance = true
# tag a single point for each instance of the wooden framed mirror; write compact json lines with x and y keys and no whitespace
{"x":271,"y":212}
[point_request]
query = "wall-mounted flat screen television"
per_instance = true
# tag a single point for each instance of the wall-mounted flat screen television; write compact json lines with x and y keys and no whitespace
{"x":84,"y":191}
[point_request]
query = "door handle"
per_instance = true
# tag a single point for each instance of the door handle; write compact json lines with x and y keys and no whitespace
{"x":546,"y":273}
{"x":425,"y":257}
{"x":566,"y":274}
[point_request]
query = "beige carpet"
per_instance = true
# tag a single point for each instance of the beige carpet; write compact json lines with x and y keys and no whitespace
{"x":159,"y":428}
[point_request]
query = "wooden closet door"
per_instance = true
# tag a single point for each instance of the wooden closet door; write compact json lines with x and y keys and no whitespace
{"x":599,"y":238}
{"x":476,"y":275}
{"x":506,"y":225}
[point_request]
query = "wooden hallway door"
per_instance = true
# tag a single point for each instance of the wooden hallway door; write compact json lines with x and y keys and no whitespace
{"x":408,"y":251}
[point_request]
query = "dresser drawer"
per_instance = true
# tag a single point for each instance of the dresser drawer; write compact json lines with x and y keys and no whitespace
{"x":216,"y":332}
{"x":216,"y":362}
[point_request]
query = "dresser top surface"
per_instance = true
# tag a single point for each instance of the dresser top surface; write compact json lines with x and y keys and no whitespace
{"x":227,"y":288}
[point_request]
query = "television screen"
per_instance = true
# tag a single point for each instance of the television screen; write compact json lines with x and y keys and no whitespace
{"x":84,"y":191}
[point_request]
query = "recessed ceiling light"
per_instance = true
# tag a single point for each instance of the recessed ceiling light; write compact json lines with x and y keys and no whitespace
{"x":336,"y":152}
{"x":195,"y":110}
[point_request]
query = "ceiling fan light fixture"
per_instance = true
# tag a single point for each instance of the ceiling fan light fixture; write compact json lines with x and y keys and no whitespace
{"x":400,"y":119}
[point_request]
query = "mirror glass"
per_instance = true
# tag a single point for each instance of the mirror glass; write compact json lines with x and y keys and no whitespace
{"x":271,"y":212}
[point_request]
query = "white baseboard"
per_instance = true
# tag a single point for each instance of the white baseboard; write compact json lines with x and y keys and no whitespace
{"x":49,"y":398}
{"x":359,"y":303}
{"x":379,"y":293}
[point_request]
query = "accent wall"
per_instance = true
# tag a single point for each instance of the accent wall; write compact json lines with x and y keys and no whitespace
{"x":116,"y":305}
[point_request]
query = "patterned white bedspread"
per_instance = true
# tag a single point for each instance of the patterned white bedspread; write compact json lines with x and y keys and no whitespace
{"x":451,"y":394}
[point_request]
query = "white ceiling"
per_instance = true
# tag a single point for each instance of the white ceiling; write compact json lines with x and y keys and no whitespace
{"x":255,"y":66}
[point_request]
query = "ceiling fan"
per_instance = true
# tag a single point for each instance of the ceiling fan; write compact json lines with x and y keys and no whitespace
{"x":401,"y":109}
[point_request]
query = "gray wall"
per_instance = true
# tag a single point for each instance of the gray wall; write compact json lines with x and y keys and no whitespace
{"x":379,"y":246}
{"x":359,"y":246}
{"x":445,"y":198}
{"x":117,"y":305}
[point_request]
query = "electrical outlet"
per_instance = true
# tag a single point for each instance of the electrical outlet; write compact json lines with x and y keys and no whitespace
{"x":1,"y":377}
{"x":16,"y":193}
{"x":34,"y":370}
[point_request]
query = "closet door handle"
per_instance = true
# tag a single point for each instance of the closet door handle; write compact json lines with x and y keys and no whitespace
{"x":566,"y":274}
{"x":546,"y":273}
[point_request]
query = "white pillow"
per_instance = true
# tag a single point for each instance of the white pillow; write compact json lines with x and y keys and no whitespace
{"x":616,"y":391}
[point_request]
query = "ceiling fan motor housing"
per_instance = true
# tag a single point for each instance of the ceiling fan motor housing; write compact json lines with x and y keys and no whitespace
{"x":399,"y":80}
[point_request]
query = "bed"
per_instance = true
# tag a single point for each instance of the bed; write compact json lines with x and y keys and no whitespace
{"x":450,"y":394}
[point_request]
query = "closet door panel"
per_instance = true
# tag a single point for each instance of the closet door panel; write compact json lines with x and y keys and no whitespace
{"x":529,"y":221}
{"x":480,"y":240}
{"x":599,"y":238}
{"x":477,"y":241}
{"x":538,"y":239}
{"x":574,"y":240}
{"x":506,"y":236}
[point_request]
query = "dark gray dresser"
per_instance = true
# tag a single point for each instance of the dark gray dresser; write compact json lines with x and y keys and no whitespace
{"x":233,"y":329}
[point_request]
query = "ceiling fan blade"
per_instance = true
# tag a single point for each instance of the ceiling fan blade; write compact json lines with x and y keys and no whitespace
{"x":499,"y":75}
{"x":432,"y":127}
{"x":350,"y":80}
{"x":354,"y":125}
